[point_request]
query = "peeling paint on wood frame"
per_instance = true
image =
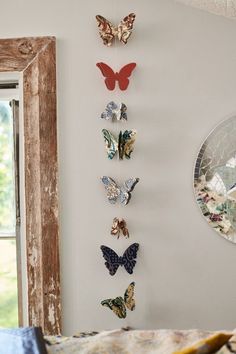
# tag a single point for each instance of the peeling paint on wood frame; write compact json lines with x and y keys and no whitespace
{"x":36,"y":59}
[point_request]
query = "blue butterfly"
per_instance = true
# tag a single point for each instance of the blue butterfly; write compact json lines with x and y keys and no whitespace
{"x":113,"y":261}
{"x":115,"y":192}
{"x":115,"y":111}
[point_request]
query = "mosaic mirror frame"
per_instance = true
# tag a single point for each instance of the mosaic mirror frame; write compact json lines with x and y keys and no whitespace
{"x":215,"y":179}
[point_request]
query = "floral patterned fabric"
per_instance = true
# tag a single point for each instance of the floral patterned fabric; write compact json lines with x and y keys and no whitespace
{"x":131,"y":342}
{"x":208,"y":345}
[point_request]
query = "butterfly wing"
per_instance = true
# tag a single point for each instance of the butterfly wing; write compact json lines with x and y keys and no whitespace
{"x":126,"y":143}
{"x":124,"y":74}
{"x":129,"y":257}
{"x":123,"y":228}
{"x":113,"y":191}
{"x":106,"y":30}
{"x":125,"y":28}
{"x":115,"y":229}
{"x":126,"y":189}
{"x":117,"y":305}
{"x":112,"y":259}
{"x":111,"y":143}
{"x":129,"y":297}
{"x":108,"y":73}
{"x":130,"y":184}
{"x":123,"y":114}
{"x":108,"y":113}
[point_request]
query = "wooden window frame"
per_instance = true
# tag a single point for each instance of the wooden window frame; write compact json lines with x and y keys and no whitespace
{"x":35,"y":59}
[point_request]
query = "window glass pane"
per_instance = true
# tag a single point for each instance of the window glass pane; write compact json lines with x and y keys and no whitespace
{"x":7,"y":187}
{"x":8,"y":284}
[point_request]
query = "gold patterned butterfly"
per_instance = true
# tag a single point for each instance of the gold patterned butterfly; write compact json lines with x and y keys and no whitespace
{"x":119,"y":226}
{"x":119,"y":304}
{"x":108,"y":32}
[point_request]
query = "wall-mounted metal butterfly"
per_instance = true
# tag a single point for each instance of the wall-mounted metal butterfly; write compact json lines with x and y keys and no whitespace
{"x":124,"y":145}
{"x":111,"y":76}
{"x":119,"y":304}
{"x":108,"y":32}
{"x":115,"y":111}
{"x":113,"y":261}
{"x":119,"y":226}
{"x":116,"y":193}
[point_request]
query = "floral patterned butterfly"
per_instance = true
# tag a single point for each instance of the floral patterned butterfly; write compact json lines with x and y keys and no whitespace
{"x":124,"y":145}
{"x":115,"y":111}
{"x":116,"y":193}
{"x":119,"y":226}
{"x":113,"y":261}
{"x":119,"y":304}
{"x":108,"y":32}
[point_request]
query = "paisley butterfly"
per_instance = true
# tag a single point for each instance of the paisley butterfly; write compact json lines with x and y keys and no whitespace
{"x":113,"y":261}
{"x":108,"y":32}
{"x":124,"y":145}
{"x":115,"y":111}
{"x":119,"y":226}
{"x":116,"y":193}
{"x":111,"y":77}
{"x":119,"y":304}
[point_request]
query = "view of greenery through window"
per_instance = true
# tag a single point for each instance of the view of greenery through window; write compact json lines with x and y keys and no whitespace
{"x":8,"y":273}
{"x":8,"y":284}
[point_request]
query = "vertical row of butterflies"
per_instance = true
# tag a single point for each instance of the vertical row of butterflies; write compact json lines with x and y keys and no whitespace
{"x":121,"y":146}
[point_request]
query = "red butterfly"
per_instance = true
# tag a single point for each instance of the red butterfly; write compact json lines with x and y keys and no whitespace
{"x":111,"y":77}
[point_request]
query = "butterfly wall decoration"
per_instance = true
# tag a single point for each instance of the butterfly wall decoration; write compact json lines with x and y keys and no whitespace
{"x":113,"y":261}
{"x":122,"y":77}
{"x":119,"y":304}
{"x":108,"y":32}
{"x":117,"y":193}
{"x":119,"y":226}
{"x":124,"y":145}
{"x":115,"y":111}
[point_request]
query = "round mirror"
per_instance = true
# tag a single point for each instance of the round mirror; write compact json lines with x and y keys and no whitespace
{"x":215,"y":179}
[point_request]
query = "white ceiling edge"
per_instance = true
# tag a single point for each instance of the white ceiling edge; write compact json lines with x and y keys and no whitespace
{"x":225,"y":8}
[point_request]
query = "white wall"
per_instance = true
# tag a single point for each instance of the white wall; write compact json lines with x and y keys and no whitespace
{"x":184,"y":84}
{"x":219,"y":7}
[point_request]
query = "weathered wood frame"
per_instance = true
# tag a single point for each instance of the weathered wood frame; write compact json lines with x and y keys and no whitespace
{"x":35,"y":58}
